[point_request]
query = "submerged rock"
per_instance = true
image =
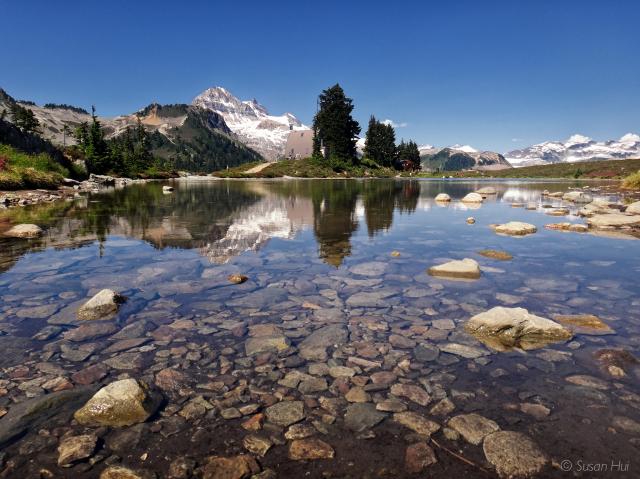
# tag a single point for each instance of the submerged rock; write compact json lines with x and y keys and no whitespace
{"x":502,"y":328}
{"x":418,"y":456}
{"x":24,"y":231}
{"x":285,"y":413}
{"x":417,"y":423}
{"x":513,"y":454}
{"x":76,"y":448}
{"x":515,"y":228}
{"x":310,"y":449}
{"x":242,"y":466}
{"x":584,"y":324}
{"x":495,"y":254}
{"x":473,"y":427}
{"x":103,"y":304}
{"x":362,"y":416}
{"x":466,"y":268}
{"x":314,"y":346}
{"x":121,"y":403}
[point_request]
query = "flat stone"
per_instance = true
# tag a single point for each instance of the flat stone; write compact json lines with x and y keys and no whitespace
{"x":418,"y":457}
{"x":495,"y":254}
{"x":242,"y":466}
{"x":577,"y":197}
{"x":502,"y":328}
{"x":615,"y":220}
{"x":90,"y":374}
{"x":314,"y":346}
{"x":584,"y":324}
{"x":443,"y":408}
{"x":417,"y":423}
{"x":357,"y":394}
{"x":362,"y":416}
{"x":473,"y":427}
{"x":402,"y":342}
{"x":257,"y":444}
{"x":170,"y":379}
{"x":285,"y":413}
{"x":466,"y":268}
{"x":313,"y":385}
{"x":588,"y":381}
{"x":371,"y":268}
{"x":463,"y":350}
{"x":426,"y":352}
{"x":341,"y":372}
{"x":76,"y":448}
{"x":487,"y":190}
{"x":90,"y":330}
{"x":515,"y":228}
{"x":265,"y":344}
{"x":370,"y":299}
{"x":121,"y":403}
{"x":300,"y":431}
{"x":411,"y":392}
{"x":24,"y":231}
{"x":391,"y":405}
{"x":119,"y":472}
{"x":103,"y":304}
{"x":310,"y":449}
{"x":513,"y":454}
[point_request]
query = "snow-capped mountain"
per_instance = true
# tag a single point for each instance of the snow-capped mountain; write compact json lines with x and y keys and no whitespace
{"x":251,"y":121}
{"x":576,"y":148}
{"x":460,"y":157}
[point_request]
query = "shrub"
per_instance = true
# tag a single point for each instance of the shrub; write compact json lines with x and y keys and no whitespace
{"x":632,"y":181}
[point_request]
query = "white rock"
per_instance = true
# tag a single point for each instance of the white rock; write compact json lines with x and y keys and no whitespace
{"x":577,"y":197}
{"x":487,"y":190}
{"x":633,"y":208}
{"x":472,"y":198}
{"x":615,"y":220}
{"x":105,"y":303}
{"x":443,"y":197}
{"x":466,"y":268}
{"x":516,"y":228}
{"x":24,"y":231}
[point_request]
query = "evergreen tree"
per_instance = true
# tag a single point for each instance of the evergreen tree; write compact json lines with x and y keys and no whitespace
{"x":380,"y":145}
{"x":24,"y":118}
{"x":91,"y":140}
{"x":335,"y":130}
{"x":408,"y":155}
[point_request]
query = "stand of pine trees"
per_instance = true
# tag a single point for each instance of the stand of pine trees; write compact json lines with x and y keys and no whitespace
{"x":380,"y":145}
{"x":336,"y":134}
{"x":128,"y":154}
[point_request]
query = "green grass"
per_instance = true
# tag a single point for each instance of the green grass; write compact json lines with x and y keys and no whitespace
{"x":632,"y":181}
{"x":24,"y":171}
{"x":306,"y":168}
{"x":602,"y":169}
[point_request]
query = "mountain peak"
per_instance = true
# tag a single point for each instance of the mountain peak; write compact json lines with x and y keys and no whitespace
{"x":250,"y":120}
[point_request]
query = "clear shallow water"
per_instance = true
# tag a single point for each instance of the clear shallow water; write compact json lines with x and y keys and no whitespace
{"x":310,"y":250}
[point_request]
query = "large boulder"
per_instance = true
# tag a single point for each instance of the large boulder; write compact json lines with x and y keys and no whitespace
{"x":502,"y":328}
{"x":466,"y":268}
{"x":121,"y":403}
{"x":103,"y":304}
{"x":515,"y":228}
{"x":443,"y":197}
{"x":513,"y":454}
{"x":472,"y":198}
{"x":24,"y":231}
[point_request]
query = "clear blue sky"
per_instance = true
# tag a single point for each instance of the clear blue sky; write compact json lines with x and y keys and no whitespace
{"x":493,"y":74}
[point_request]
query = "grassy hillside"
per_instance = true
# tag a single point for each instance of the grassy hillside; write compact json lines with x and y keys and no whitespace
{"x":305,"y":168}
{"x":20,"y":170}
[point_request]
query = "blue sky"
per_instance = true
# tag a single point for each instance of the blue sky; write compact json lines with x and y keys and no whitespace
{"x":493,"y":74}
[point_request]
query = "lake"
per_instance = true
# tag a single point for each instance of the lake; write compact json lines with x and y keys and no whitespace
{"x":337,"y":319}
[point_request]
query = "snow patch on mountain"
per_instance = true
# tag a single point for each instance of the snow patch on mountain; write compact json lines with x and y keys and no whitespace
{"x":251,"y":121}
{"x":576,"y":148}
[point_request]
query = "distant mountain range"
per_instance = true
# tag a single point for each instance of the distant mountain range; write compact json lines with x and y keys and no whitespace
{"x":576,"y":148}
{"x":215,"y":131}
{"x":460,"y":157}
{"x":250,"y":121}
